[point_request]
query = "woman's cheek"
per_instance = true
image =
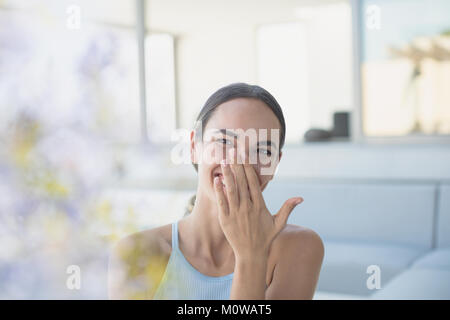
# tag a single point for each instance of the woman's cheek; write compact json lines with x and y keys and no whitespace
{"x":264,"y":168}
{"x":268,"y":167}
{"x":213,"y":154}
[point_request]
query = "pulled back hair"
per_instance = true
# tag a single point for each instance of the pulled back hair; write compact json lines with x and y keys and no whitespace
{"x":230,"y":92}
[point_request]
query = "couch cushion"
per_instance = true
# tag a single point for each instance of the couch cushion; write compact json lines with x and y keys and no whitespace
{"x":415,"y":284}
{"x":443,"y":233}
{"x":344,"y":268}
{"x":377,"y":212}
{"x":438,"y":258}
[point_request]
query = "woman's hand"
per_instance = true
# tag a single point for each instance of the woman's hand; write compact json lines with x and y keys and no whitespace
{"x":247,"y":224}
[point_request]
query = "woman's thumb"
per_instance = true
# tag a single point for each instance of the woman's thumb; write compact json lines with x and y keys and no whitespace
{"x":282,"y":215}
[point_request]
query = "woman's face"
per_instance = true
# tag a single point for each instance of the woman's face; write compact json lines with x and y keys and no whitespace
{"x":250,"y":127}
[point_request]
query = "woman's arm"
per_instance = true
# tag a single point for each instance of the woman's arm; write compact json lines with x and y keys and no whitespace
{"x":298,"y":266}
{"x":136,"y":265}
{"x":249,"y":280}
{"x":299,"y":260}
{"x":118,"y":272}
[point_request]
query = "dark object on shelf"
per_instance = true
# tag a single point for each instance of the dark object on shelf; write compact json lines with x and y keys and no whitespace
{"x":315,"y":134}
{"x":341,"y":124}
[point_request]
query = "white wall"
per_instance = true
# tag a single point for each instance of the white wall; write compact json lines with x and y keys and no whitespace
{"x":330,"y":62}
{"x":283,"y":70}
{"x":216,"y":45}
{"x":208,"y":60}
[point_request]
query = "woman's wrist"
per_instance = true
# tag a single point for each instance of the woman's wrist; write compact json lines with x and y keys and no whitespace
{"x":252,"y":258}
{"x":249,"y":282}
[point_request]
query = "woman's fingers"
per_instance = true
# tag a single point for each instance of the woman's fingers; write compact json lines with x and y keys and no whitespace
{"x":241,"y":179}
{"x":282,"y":216}
{"x":220,"y":196}
{"x":230,"y":186}
{"x":253,"y":184}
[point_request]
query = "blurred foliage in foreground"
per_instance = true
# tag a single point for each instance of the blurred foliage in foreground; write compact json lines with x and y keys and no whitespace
{"x":55,"y":159}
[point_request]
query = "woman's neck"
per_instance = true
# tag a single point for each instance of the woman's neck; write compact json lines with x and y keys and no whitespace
{"x":204,"y":232}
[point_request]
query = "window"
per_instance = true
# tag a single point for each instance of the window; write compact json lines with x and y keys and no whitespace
{"x":160,"y":83}
{"x":307,"y":66}
{"x":405,"y":67}
{"x":82,"y":62}
{"x":283,"y":70}
{"x":84,"y":78}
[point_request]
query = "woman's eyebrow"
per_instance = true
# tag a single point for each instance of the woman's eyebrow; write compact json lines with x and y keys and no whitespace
{"x":227,"y":132}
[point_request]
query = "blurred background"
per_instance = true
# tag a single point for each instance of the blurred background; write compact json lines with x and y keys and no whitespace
{"x":97,"y":98}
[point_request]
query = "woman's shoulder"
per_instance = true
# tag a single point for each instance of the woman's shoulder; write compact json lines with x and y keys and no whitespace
{"x":297,"y":238}
{"x":140,"y":257}
{"x":154,"y":241}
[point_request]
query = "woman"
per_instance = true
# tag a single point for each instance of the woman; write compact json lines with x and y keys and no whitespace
{"x":229,"y":246}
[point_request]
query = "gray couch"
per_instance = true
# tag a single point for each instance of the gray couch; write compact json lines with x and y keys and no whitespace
{"x":401,"y":227}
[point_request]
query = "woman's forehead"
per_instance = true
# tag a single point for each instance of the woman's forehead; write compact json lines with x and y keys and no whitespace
{"x":243,"y":113}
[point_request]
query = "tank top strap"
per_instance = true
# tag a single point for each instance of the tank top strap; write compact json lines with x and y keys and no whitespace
{"x":175,"y":235}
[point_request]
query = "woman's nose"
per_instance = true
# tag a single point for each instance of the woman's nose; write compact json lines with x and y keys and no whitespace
{"x":243,"y":156}
{"x":247,"y":157}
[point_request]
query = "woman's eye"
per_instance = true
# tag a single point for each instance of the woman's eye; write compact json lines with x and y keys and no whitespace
{"x":267,"y":152}
{"x":225,"y":141}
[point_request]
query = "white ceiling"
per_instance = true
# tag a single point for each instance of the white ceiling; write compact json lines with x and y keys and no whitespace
{"x":176,"y":16}
{"x":181,"y":16}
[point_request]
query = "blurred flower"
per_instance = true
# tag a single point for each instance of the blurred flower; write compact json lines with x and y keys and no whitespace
{"x":99,"y":54}
{"x":55,"y":158}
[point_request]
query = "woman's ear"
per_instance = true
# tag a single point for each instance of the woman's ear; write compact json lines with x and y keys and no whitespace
{"x":192,"y":146}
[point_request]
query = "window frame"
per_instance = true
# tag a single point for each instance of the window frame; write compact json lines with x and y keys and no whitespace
{"x":356,"y":123}
{"x":141,"y":33}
